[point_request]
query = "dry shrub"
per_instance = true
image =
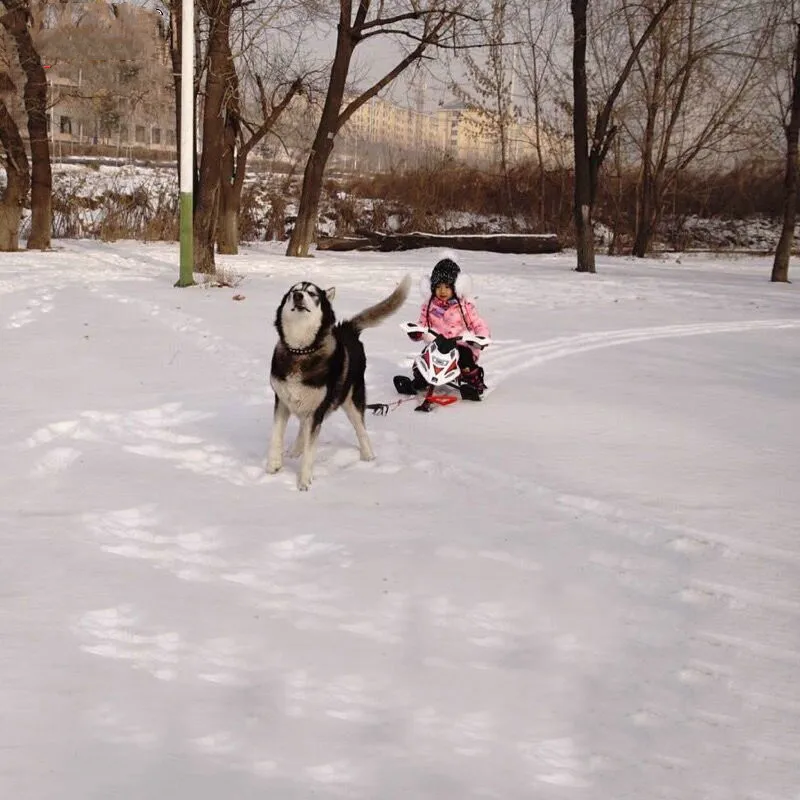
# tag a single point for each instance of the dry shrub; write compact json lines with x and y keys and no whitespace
{"x":251,"y":222}
{"x":276,"y":218}
{"x":432,"y":198}
{"x":223,"y":277}
{"x":163,"y":226}
{"x":146,"y":213}
{"x":380,"y":216}
{"x":345,"y":215}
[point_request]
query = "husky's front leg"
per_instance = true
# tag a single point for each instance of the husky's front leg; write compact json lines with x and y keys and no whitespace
{"x":309,"y":432}
{"x":280,"y":418}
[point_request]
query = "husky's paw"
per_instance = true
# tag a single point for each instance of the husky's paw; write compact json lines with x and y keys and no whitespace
{"x":303,"y":484}
{"x":273,"y":466}
{"x":368,"y":456}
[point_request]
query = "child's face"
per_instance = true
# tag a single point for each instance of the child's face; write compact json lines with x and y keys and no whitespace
{"x":444,"y":292}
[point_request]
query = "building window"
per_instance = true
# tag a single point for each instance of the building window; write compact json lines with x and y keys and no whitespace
{"x":156,"y":136}
{"x":66,"y":125}
{"x":140,"y":134}
{"x":171,"y":137}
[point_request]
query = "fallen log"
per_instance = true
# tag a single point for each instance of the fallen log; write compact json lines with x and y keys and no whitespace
{"x":526,"y":243}
{"x":342,"y":244}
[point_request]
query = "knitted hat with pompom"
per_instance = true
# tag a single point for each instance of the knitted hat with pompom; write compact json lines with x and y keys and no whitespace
{"x":446,"y":271}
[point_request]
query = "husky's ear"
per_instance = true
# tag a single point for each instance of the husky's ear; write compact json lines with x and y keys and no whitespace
{"x":329,"y":293}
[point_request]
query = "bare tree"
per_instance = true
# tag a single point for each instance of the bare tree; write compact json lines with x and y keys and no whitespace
{"x":15,"y":21}
{"x":229,"y":133}
{"x":17,"y":171}
{"x":218,"y":79}
{"x":538,"y":26}
{"x":588,"y":160}
{"x":691,"y":96}
{"x":488,"y":93}
{"x":791,"y":128}
{"x":426,"y":23}
{"x":265,"y":76}
{"x":582,"y":208}
{"x":241,"y":137}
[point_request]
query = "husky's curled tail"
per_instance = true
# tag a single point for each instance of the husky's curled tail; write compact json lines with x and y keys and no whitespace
{"x":374,"y":315}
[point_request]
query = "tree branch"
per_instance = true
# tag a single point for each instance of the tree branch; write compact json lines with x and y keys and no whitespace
{"x":601,"y":125}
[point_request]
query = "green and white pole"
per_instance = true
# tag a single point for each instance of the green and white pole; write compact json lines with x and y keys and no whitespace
{"x":187,"y":143}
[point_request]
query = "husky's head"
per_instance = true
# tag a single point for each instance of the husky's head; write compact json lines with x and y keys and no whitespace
{"x":305,"y":315}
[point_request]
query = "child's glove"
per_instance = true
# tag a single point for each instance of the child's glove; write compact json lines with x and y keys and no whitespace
{"x":415,"y":337}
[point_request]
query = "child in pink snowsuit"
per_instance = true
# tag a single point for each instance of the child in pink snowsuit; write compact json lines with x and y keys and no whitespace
{"x":450,"y":315}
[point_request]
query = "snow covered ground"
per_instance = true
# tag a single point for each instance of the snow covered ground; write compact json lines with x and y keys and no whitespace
{"x":586,"y":586}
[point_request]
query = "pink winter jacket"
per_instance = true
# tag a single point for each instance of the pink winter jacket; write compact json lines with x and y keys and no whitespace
{"x":446,"y":318}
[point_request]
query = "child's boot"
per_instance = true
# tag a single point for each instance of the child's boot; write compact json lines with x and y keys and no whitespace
{"x":472,"y":385}
{"x":411,"y":385}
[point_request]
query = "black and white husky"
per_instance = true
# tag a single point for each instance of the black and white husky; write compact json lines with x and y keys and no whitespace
{"x":318,"y":365}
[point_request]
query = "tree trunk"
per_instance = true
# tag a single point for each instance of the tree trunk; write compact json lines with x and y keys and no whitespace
{"x":232,"y":179}
{"x":780,"y":265}
{"x":229,"y":195}
{"x":645,"y":215}
{"x":206,"y":213}
{"x":228,"y":222}
{"x":17,"y":181}
{"x":507,"y":182}
{"x":616,"y":225}
{"x":540,"y":160}
{"x":228,"y":229}
{"x":649,"y":195}
{"x":645,"y":201}
{"x":582,"y":208}
{"x":15,"y":21}
{"x":175,"y":24}
{"x":650,"y":215}
{"x":304,"y":231}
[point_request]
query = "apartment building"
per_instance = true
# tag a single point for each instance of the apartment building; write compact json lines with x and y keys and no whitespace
{"x":109,"y":79}
{"x":452,"y":129}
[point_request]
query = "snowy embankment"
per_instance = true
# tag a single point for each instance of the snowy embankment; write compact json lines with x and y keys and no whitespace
{"x":92,"y":192}
{"x":586,"y":585}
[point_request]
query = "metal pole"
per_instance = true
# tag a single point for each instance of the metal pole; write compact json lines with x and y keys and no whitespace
{"x":187,"y":144}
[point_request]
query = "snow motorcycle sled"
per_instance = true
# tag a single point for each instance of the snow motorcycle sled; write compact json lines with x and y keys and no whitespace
{"x":436,"y":367}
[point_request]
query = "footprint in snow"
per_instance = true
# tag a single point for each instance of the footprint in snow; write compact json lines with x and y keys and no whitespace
{"x":41,"y":303}
{"x":137,"y":533}
{"x":54,"y":461}
{"x":118,"y":633}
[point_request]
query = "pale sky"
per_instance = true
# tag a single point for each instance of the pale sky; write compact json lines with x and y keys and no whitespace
{"x":372,"y":59}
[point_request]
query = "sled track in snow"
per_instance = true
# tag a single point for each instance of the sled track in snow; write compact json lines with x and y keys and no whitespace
{"x":622,"y":524}
{"x":729,"y":604}
{"x":532,"y":355}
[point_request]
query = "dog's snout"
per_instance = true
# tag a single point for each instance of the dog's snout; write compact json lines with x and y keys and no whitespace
{"x":297,"y":297}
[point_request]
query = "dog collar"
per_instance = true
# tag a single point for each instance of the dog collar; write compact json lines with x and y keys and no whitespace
{"x":301,"y":351}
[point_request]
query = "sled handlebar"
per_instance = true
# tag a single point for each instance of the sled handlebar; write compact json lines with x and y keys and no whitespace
{"x":468,"y":338}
